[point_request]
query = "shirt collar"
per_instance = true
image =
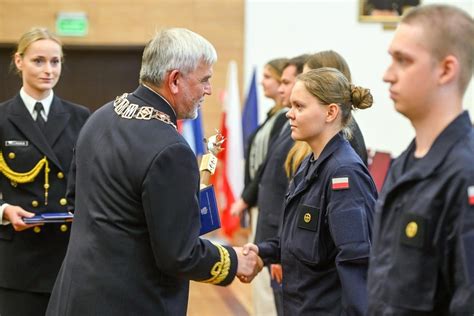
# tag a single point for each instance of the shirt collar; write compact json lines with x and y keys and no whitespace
{"x":30,"y":102}
{"x":160,"y":97}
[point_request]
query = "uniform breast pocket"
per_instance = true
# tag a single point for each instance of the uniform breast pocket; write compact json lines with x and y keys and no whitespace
{"x":415,"y":272}
{"x":20,"y":158}
{"x":305,"y":243}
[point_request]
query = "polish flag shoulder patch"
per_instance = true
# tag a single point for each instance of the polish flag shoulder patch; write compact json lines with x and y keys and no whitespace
{"x":342,"y":183}
{"x":470,"y":195}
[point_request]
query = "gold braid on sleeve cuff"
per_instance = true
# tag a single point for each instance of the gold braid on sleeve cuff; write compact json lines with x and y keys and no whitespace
{"x":220,"y":270}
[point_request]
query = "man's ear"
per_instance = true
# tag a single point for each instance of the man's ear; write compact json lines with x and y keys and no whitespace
{"x":449,"y":69}
{"x":332,"y":112}
{"x":173,"y":81}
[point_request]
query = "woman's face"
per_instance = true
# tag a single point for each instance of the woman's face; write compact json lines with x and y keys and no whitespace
{"x":270,"y":84}
{"x":40,"y":67}
{"x":307,"y":115}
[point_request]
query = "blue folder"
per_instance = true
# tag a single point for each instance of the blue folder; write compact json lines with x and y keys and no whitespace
{"x":49,"y":218}
{"x":209,"y":213}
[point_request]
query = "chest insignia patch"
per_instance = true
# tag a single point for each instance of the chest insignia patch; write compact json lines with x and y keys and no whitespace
{"x":411,"y":229}
{"x":470,"y":195}
{"x":341,"y":183}
{"x":414,"y":230}
{"x":308,"y":217}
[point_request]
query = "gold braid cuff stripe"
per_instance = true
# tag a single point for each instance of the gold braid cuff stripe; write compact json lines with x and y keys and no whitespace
{"x":29,"y":176}
{"x":128,"y":110}
{"x":220,"y":270}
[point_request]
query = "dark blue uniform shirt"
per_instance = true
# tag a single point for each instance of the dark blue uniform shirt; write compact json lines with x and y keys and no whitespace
{"x":423,"y":254}
{"x":324,"y":238}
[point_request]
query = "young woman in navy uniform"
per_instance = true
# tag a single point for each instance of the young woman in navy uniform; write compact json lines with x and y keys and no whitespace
{"x":38,"y":131}
{"x":324,"y":238}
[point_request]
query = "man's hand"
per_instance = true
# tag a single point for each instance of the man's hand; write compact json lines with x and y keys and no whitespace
{"x":14,"y":214}
{"x":249,"y":263}
{"x":238,"y":207}
{"x":276,"y":272}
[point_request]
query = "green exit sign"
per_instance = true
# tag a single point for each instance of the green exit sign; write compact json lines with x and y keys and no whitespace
{"x":72,"y":24}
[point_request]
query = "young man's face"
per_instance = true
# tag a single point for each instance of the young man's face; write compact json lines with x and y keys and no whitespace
{"x":288,"y":79}
{"x":413,"y":73}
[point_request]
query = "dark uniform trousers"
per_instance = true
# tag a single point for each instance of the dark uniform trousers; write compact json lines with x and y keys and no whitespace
{"x":324,"y":238}
{"x":423,"y":255}
{"x":30,"y":259}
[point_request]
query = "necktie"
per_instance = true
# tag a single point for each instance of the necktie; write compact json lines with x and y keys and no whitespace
{"x":39,"y":118}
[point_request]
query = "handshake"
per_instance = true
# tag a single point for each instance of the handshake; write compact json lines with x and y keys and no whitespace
{"x":249,"y":262}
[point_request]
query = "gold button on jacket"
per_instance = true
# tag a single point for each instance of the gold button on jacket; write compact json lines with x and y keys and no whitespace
{"x":63,"y":201}
{"x":60,"y":175}
{"x":37,"y":229}
{"x":63,"y":228}
{"x":34,"y":203}
{"x":11,"y":155}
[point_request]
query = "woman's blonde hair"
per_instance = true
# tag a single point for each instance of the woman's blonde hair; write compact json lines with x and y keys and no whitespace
{"x":329,"y":86}
{"x":33,"y":35}
{"x":327,"y":58}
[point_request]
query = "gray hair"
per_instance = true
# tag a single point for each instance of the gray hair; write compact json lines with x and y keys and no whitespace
{"x":175,"y":48}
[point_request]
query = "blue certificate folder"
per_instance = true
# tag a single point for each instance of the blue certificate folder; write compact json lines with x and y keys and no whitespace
{"x":209,"y":213}
{"x":49,"y":218}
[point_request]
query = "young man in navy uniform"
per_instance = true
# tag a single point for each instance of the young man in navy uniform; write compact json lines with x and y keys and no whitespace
{"x":135,"y":243}
{"x":423,"y":252}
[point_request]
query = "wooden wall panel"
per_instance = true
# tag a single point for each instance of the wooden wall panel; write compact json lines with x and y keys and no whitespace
{"x":125,"y":22}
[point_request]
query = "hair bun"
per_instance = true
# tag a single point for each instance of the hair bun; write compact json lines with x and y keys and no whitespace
{"x":361,"y":97}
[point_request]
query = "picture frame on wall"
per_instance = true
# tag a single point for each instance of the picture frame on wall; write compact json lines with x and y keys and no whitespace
{"x":384,"y":11}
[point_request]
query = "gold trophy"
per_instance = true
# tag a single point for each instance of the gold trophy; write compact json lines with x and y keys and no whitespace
{"x":209,"y":160}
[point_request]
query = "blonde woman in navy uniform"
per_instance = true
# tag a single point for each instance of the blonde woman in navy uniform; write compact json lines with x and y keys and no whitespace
{"x":38,"y":131}
{"x":324,"y":239}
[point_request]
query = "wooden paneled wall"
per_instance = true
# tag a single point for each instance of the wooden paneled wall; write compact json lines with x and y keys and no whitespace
{"x":125,"y":22}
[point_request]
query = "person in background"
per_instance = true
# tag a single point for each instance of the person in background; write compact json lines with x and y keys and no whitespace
{"x":135,"y":243}
{"x":38,"y":131}
{"x":274,"y":182}
{"x":259,"y":143}
{"x":300,"y":150}
{"x":423,"y":244}
{"x":324,"y":239}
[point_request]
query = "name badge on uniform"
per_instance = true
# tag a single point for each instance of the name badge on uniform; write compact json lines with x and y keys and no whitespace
{"x":413,"y":230}
{"x":16,"y":143}
{"x":308,"y":217}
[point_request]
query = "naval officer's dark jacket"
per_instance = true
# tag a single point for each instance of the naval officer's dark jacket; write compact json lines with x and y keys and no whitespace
{"x":324,"y":238}
{"x":134,"y":244}
{"x":423,"y":255}
{"x":30,"y":259}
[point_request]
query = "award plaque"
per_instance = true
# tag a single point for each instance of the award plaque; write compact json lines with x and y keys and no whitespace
{"x":207,"y":198}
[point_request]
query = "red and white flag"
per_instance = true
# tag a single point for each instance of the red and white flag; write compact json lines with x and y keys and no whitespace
{"x":229,"y":176}
{"x":470,"y":195}
{"x":340,"y":183}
